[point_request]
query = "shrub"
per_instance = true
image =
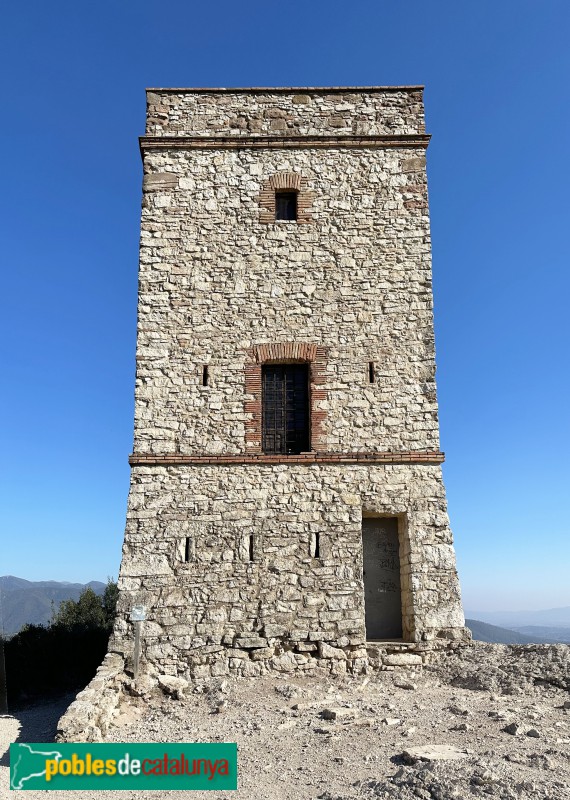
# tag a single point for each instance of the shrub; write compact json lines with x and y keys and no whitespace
{"x":62,"y":657}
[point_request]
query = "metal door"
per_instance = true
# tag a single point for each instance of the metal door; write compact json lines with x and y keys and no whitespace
{"x":381,"y":571}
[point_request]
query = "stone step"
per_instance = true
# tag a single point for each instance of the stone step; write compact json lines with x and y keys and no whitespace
{"x":392,"y":654}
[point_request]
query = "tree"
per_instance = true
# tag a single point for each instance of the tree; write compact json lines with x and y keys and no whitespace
{"x":64,"y":656}
{"x":109,"y":602}
{"x":91,"y":611}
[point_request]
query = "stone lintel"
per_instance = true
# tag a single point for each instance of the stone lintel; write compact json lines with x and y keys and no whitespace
{"x":178,"y":459}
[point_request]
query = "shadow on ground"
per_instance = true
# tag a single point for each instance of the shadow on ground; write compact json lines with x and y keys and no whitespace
{"x":38,"y":723}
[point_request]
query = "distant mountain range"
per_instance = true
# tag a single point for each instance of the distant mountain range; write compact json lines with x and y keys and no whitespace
{"x":555,"y":634}
{"x":31,"y":602}
{"x":483,"y":632}
{"x":550,"y":626}
{"x":549,"y":617}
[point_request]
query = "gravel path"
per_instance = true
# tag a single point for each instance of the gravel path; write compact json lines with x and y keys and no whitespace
{"x":34,"y":724}
{"x":287,"y":751}
{"x":9,"y":728}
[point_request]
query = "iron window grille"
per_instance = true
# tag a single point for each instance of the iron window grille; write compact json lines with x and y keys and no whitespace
{"x":285,"y":408}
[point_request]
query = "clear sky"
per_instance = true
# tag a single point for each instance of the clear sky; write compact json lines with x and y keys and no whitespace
{"x":497,"y":101}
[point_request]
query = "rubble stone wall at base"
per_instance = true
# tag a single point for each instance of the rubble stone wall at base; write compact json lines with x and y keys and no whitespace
{"x":220,"y":612}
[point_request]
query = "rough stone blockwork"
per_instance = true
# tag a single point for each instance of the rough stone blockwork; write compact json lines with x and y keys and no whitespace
{"x":377,"y":111}
{"x":252,"y":566}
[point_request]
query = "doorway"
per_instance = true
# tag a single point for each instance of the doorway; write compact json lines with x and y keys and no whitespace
{"x":381,"y":574}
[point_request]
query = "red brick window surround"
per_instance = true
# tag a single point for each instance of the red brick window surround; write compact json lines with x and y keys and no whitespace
{"x":285,"y":182}
{"x":282,"y":353}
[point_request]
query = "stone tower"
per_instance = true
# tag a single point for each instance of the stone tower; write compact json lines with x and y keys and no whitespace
{"x":286,"y":508}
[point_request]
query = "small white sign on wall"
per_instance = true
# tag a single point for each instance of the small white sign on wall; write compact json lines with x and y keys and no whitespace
{"x":138,"y":614}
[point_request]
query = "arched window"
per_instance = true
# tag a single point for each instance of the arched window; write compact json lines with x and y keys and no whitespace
{"x":285,"y":197}
{"x":285,"y":401}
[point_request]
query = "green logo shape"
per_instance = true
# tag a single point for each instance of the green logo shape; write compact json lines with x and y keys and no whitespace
{"x":124,"y":766}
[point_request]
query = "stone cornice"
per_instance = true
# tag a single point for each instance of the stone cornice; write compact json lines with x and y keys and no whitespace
{"x":178,"y":459}
{"x":286,"y":89}
{"x":292,"y":142}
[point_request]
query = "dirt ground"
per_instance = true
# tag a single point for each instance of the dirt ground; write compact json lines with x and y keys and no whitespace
{"x":288,"y":751}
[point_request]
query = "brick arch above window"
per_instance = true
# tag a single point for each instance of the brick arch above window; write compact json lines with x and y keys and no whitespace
{"x":285,"y":181}
{"x":284,"y":352}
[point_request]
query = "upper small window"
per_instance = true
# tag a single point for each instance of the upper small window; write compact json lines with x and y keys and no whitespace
{"x":286,"y":205}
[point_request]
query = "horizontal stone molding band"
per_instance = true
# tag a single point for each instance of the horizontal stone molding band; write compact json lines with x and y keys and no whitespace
{"x":287,"y":89}
{"x":412,"y":140}
{"x":177,"y":459}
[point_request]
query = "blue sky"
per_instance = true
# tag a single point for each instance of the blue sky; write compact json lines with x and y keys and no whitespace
{"x":73,"y":104}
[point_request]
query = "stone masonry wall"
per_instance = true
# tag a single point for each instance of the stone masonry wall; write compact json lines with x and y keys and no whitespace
{"x":393,"y":110}
{"x":215,"y":281}
{"x":219,"y":612}
{"x":222,"y":554}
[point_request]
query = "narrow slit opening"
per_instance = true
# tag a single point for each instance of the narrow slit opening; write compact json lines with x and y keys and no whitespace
{"x":187,"y":549}
{"x":371,"y":372}
{"x":205,"y":375}
{"x":315,"y":546}
{"x":251,"y":546}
